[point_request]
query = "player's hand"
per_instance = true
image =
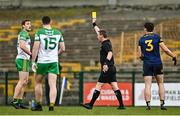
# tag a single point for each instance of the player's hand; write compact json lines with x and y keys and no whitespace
{"x":34,"y":66}
{"x":105,"y":68}
{"x":94,"y":20}
{"x":142,"y":57}
{"x":174,"y":60}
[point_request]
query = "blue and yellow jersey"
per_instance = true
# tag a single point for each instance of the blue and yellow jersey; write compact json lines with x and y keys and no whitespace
{"x":149,"y":44}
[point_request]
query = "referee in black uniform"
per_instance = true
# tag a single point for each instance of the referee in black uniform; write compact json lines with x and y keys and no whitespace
{"x":108,"y":70}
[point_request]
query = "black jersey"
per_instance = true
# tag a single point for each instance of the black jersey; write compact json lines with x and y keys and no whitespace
{"x":105,"y":48}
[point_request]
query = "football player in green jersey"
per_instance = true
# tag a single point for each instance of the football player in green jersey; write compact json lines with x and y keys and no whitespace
{"x":22,"y":64}
{"x":48,"y":43}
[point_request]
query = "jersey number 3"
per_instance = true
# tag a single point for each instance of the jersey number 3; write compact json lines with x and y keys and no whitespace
{"x":149,"y":45}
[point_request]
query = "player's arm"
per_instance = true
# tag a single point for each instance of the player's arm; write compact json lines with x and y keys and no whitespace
{"x":168,"y":52}
{"x":109,"y":55}
{"x":23,"y":47}
{"x":35,"y":50}
{"x":107,"y":61}
{"x":140,"y":54}
{"x":62,"y":47}
{"x":34,"y":55}
{"x":35,"y":46}
{"x":96,"y":28}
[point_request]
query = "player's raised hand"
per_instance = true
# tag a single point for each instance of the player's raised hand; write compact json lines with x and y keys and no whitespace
{"x":174,"y":60}
{"x":142,"y":57}
{"x":94,"y":20}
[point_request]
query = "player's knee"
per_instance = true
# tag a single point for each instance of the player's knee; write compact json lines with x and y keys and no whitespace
{"x":52,"y":87}
{"x":38,"y":81}
{"x":114,"y":87}
{"x":24,"y":82}
{"x":98,"y":87}
{"x":160,"y":82}
{"x":21,"y":82}
{"x":147,"y":85}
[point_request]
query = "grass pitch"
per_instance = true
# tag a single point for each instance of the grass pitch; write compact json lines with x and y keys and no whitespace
{"x":78,"y":110}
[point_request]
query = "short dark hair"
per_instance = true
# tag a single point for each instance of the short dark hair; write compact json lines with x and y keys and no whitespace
{"x":149,"y":26}
{"x":46,"y":20}
{"x":103,"y":32}
{"x":24,"y":21}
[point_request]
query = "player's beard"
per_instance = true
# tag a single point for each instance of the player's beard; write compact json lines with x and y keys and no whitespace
{"x":28,"y":30}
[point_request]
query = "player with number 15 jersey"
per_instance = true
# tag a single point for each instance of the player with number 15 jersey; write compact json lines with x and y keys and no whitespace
{"x":48,"y":43}
{"x":48,"y":49}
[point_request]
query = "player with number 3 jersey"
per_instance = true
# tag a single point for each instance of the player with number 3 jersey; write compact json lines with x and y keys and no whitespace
{"x":149,"y":52}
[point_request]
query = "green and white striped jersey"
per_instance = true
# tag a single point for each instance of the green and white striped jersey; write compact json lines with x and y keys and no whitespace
{"x":23,"y":35}
{"x":49,"y":44}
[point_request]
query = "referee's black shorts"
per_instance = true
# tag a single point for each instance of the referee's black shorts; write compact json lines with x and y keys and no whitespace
{"x":109,"y":76}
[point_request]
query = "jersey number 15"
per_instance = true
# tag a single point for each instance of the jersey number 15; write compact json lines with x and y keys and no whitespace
{"x":50,"y":43}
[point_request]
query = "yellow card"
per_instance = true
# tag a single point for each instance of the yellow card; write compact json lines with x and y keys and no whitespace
{"x":93,"y":15}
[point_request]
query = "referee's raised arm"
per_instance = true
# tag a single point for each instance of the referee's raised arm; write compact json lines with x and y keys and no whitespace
{"x":96,"y":28}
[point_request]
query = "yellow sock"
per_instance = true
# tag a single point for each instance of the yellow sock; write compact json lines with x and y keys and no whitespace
{"x":52,"y":104}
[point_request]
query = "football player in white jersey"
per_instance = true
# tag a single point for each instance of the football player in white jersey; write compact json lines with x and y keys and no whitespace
{"x":22,"y":64}
{"x":48,"y":43}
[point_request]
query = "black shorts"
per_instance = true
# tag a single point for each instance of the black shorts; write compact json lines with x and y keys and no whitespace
{"x":152,"y":69}
{"x":109,"y":76}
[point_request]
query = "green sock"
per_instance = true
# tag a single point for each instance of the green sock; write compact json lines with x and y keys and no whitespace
{"x":19,"y":100}
{"x":14,"y":99}
{"x":39,"y":103}
{"x":51,"y":104}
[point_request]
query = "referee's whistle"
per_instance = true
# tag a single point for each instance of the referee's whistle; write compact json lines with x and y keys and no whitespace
{"x":93,"y":15}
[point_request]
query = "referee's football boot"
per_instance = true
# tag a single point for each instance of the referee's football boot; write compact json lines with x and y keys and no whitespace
{"x":121,"y":108}
{"x":163,"y":107}
{"x":87,"y":106}
{"x":148,"y":107}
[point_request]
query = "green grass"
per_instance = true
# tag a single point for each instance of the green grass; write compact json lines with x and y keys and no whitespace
{"x":77,"y":110}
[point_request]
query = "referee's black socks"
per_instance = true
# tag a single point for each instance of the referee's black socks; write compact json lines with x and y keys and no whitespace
{"x":95,"y":96}
{"x":148,"y":103}
{"x":162,"y":105}
{"x":162,"y":102}
{"x":119,"y":97}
